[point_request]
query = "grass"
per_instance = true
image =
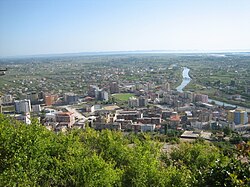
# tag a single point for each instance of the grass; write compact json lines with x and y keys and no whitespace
{"x":122,"y":96}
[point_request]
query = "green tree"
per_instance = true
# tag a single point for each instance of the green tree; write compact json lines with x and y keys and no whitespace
{"x":31,"y":155}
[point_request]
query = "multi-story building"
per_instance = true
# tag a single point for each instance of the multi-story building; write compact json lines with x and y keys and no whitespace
{"x":111,"y":126}
{"x":167,"y":99}
{"x":147,"y":127}
{"x":174,"y":120}
{"x":129,"y":115}
{"x":148,"y":120}
{"x":133,"y":102}
{"x":201,"y":98}
{"x":65,"y":119}
{"x":105,"y":95}
{"x":50,"y":99}
{"x":22,"y":106}
{"x":92,"y":90}
{"x":191,"y":96}
{"x":101,"y":95}
{"x":237,"y":116}
{"x":114,"y":87}
{"x":143,"y":101}
{"x":98,"y":94}
{"x":36,"y":108}
{"x":70,"y":98}
{"x":33,"y":97}
{"x":205,"y":116}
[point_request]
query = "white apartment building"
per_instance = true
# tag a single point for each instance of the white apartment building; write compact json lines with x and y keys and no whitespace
{"x":22,"y":106}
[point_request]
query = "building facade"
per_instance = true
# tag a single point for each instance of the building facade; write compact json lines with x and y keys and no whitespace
{"x":65,"y":119}
{"x":201,"y":98}
{"x":114,"y":87}
{"x":143,"y":101}
{"x":133,"y":102}
{"x":70,"y":98}
{"x":237,"y":117}
{"x":22,"y":106}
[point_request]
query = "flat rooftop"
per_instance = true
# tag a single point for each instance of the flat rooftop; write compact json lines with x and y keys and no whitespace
{"x":195,"y":134}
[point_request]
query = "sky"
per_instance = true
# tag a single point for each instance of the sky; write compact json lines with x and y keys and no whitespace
{"x":30,"y":27}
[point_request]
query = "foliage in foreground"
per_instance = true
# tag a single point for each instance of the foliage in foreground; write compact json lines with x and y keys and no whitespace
{"x":33,"y":156}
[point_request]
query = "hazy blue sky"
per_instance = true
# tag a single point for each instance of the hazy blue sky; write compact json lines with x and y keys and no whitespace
{"x":66,"y":26}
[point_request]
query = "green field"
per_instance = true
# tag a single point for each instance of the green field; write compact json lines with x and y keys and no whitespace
{"x":122,"y":96}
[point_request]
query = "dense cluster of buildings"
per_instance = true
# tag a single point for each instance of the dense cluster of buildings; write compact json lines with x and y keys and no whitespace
{"x":150,"y":109}
{"x":153,"y":106}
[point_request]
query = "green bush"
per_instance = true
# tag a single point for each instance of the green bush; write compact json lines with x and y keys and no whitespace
{"x":30,"y":155}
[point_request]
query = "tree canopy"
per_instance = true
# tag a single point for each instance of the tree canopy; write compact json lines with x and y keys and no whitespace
{"x":31,"y":155}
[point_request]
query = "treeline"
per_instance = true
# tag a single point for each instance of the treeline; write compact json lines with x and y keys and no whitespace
{"x":33,"y":156}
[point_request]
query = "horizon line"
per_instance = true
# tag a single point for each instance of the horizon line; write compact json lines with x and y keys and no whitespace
{"x":117,"y":52}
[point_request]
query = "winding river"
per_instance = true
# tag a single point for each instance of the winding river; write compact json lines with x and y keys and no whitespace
{"x":185,"y":81}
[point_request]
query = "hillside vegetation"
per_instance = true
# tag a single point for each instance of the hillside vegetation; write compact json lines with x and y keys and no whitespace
{"x":33,"y":156}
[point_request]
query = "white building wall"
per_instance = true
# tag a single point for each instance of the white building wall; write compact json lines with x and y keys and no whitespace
{"x":23,"y":106}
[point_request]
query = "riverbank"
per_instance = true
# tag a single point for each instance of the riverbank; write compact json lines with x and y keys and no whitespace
{"x":217,"y":100}
{"x":223,"y":102}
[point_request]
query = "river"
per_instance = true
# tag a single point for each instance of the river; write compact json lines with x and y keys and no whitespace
{"x":185,"y":81}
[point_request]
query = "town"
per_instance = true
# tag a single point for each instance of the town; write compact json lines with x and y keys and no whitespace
{"x":135,"y":93}
{"x":130,"y":93}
